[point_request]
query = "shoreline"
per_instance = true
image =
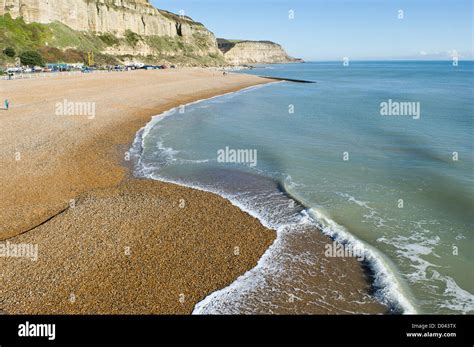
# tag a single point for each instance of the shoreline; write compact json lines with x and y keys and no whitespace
{"x":369,"y":267}
{"x":98,"y":257}
{"x":139,"y":116}
{"x":103,"y":206}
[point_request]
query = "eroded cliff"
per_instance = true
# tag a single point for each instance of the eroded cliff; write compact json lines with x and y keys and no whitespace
{"x":134,"y":27}
{"x":253,"y":52}
{"x":122,"y":31}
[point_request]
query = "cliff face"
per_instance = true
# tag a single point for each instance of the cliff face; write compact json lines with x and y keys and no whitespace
{"x":254,"y":52}
{"x":111,"y":16}
{"x":126,"y":30}
{"x":116,"y":17}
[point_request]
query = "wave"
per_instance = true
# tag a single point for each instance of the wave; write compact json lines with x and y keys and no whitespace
{"x":460,"y":300}
{"x":389,"y":289}
{"x":139,"y":142}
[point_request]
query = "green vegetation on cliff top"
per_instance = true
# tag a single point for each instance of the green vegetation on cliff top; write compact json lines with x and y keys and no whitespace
{"x":58,"y":43}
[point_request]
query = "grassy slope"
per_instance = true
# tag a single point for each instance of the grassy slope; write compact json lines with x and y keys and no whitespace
{"x":59,"y":43}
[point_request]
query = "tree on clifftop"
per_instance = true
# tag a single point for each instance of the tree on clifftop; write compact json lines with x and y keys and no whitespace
{"x":31,"y":58}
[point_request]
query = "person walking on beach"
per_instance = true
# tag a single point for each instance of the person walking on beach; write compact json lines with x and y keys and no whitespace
{"x":7,"y":104}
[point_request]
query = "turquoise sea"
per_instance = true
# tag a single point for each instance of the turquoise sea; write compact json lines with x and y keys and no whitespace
{"x":399,"y":187}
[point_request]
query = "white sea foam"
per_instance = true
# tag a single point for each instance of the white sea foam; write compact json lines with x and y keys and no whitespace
{"x":354,"y":200}
{"x":139,"y":141}
{"x":460,"y":300}
{"x":415,"y":248}
{"x":373,"y":215}
{"x":391,"y":290}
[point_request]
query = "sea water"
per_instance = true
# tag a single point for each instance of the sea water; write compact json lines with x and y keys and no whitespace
{"x":397,"y":184}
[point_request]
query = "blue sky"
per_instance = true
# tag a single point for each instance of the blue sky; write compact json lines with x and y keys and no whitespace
{"x":333,"y":29}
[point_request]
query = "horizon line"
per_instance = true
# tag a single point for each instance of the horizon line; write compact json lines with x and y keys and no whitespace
{"x":385,"y":59}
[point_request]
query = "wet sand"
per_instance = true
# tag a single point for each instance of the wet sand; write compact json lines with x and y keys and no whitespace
{"x":107,"y":242}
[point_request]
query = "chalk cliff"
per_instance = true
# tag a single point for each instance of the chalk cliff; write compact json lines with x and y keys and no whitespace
{"x":125,"y":30}
{"x":119,"y":18}
{"x":101,"y":16}
{"x":253,"y":52}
